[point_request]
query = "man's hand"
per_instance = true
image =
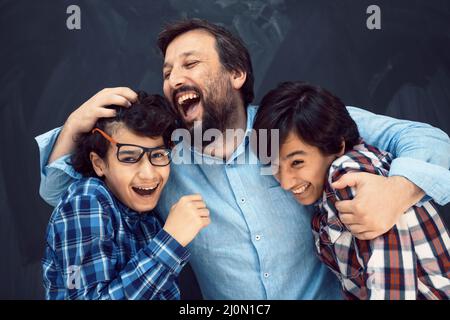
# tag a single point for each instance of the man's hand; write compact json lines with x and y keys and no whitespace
{"x":378,"y":204}
{"x":84,"y":118}
{"x":186,"y":218}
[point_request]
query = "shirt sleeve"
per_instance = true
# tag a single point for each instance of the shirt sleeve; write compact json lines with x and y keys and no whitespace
{"x":387,"y":263}
{"x":82,"y":242}
{"x":422,"y":152}
{"x":57,"y":176}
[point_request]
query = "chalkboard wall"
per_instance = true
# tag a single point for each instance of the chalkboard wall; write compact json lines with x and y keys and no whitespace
{"x":48,"y":69}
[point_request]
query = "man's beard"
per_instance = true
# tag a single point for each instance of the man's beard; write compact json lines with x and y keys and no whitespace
{"x":220,"y":109}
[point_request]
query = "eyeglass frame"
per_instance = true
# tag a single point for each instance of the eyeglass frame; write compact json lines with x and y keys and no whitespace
{"x":145,"y":149}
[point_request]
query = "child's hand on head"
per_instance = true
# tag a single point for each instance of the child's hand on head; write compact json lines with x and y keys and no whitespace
{"x":186,"y":218}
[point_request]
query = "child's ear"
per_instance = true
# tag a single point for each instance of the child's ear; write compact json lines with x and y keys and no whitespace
{"x":238,"y":78}
{"x":98,"y":164}
{"x":342,"y":151}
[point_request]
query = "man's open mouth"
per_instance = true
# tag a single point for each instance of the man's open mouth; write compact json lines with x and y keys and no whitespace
{"x":145,"y":191}
{"x":187,"y":102}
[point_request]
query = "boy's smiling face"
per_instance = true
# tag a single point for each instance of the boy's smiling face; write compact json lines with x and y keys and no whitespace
{"x":137,"y":185}
{"x":302,"y":168}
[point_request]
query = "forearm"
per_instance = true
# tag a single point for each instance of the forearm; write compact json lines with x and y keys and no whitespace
{"x":149,"y":275}
{"x":408,"y":193}
{"x":403,"y":138}
{"x":422,"y":152}
{"x":134,"y":285}
{"x":57,"y":176}
{"x":65,"y":144}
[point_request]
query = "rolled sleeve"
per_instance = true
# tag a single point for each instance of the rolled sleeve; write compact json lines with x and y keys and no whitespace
{"x":422,"y":152}
{"x":55,"y":177}
{"x":431,"y":178}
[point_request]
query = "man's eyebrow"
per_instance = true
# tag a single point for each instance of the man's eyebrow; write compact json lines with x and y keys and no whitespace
{"x":184,"y":55}
{"x":295,"y":153}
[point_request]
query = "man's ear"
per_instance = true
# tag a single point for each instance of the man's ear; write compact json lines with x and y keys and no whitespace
{"x":98,"y":164}
{"x":238,"y":78}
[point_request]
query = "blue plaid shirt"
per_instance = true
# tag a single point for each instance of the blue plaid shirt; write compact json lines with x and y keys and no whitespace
{"x":97,"y":248}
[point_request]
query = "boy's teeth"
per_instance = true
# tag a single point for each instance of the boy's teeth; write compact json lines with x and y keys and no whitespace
{"x":147,"y":189}
{"x":301,"y":189}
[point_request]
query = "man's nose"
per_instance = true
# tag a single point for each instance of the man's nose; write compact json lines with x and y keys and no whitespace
{"x":177,"y":78}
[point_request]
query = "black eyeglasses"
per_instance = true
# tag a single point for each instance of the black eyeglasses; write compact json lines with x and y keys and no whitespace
{"x":131,"y":153}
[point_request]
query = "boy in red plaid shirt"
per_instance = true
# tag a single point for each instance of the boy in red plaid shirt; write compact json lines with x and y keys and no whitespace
{"x":319,"y":142}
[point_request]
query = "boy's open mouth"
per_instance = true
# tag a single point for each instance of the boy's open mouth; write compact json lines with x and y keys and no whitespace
{"x":145,"y":191}
{"x":301,"y":189}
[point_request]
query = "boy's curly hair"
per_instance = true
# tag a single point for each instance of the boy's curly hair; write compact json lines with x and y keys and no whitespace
{"x":151,"y":116}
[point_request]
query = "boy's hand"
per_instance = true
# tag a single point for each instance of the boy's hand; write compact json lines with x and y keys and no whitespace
{"x":186,"y":218}
{"x":84,"y":118}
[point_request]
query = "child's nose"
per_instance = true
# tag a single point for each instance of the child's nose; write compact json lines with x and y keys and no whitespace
{"x":286,"y":180}
{"x":146,"y":169}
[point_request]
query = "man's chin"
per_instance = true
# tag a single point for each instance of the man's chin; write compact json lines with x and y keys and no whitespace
{"x":194,"y":123}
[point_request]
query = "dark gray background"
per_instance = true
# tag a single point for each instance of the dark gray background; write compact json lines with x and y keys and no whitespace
{"x":402,"y":70}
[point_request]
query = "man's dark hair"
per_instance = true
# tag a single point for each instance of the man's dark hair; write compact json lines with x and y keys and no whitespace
{"x":315,"y":115}
{"x":232,"y":52}
{"x":150,"y":116}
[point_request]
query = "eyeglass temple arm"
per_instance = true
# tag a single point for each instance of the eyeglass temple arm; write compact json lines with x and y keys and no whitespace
{"x":105,"y":135}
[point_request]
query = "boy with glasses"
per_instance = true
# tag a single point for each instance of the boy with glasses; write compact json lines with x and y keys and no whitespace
{"x":103,"y":241}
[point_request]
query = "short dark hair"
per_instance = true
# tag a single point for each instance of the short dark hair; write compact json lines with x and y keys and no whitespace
{"x":315,"y":115}
{"x":151,"y":116}
{"x":231,"y":49}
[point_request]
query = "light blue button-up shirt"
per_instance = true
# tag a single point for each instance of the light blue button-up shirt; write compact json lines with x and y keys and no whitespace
{"x":259,"y":244}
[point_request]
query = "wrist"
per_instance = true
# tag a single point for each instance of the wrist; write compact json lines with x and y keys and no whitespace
{"x":173,"y":235}
{"x":69,"y":129}
{"x":65,"y":143}
{"x":409,"y":193}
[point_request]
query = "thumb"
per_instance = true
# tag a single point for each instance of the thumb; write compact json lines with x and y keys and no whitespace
{"x":347,"y":180}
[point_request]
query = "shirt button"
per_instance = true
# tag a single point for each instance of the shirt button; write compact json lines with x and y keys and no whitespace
{"x":266,"y":275}
{"x":258,"y":237}
{"x":242,"y":200}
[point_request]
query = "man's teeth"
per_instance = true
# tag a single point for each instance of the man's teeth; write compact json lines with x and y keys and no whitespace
{"x":300,"y":189}
{"x":182,"y":98}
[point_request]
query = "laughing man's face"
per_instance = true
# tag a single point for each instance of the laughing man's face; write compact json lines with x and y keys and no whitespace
{"x":195,"y":82}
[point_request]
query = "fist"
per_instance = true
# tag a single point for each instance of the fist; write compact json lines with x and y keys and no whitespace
{"x":186,"y":218}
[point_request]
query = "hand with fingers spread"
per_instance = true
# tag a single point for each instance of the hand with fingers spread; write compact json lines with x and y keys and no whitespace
{"x":84,"y":118}
{"x":378,"y":204}
{"x":186,"y":218}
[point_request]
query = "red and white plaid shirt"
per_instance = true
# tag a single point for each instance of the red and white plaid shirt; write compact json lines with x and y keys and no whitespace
{"x":411,"y":261}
